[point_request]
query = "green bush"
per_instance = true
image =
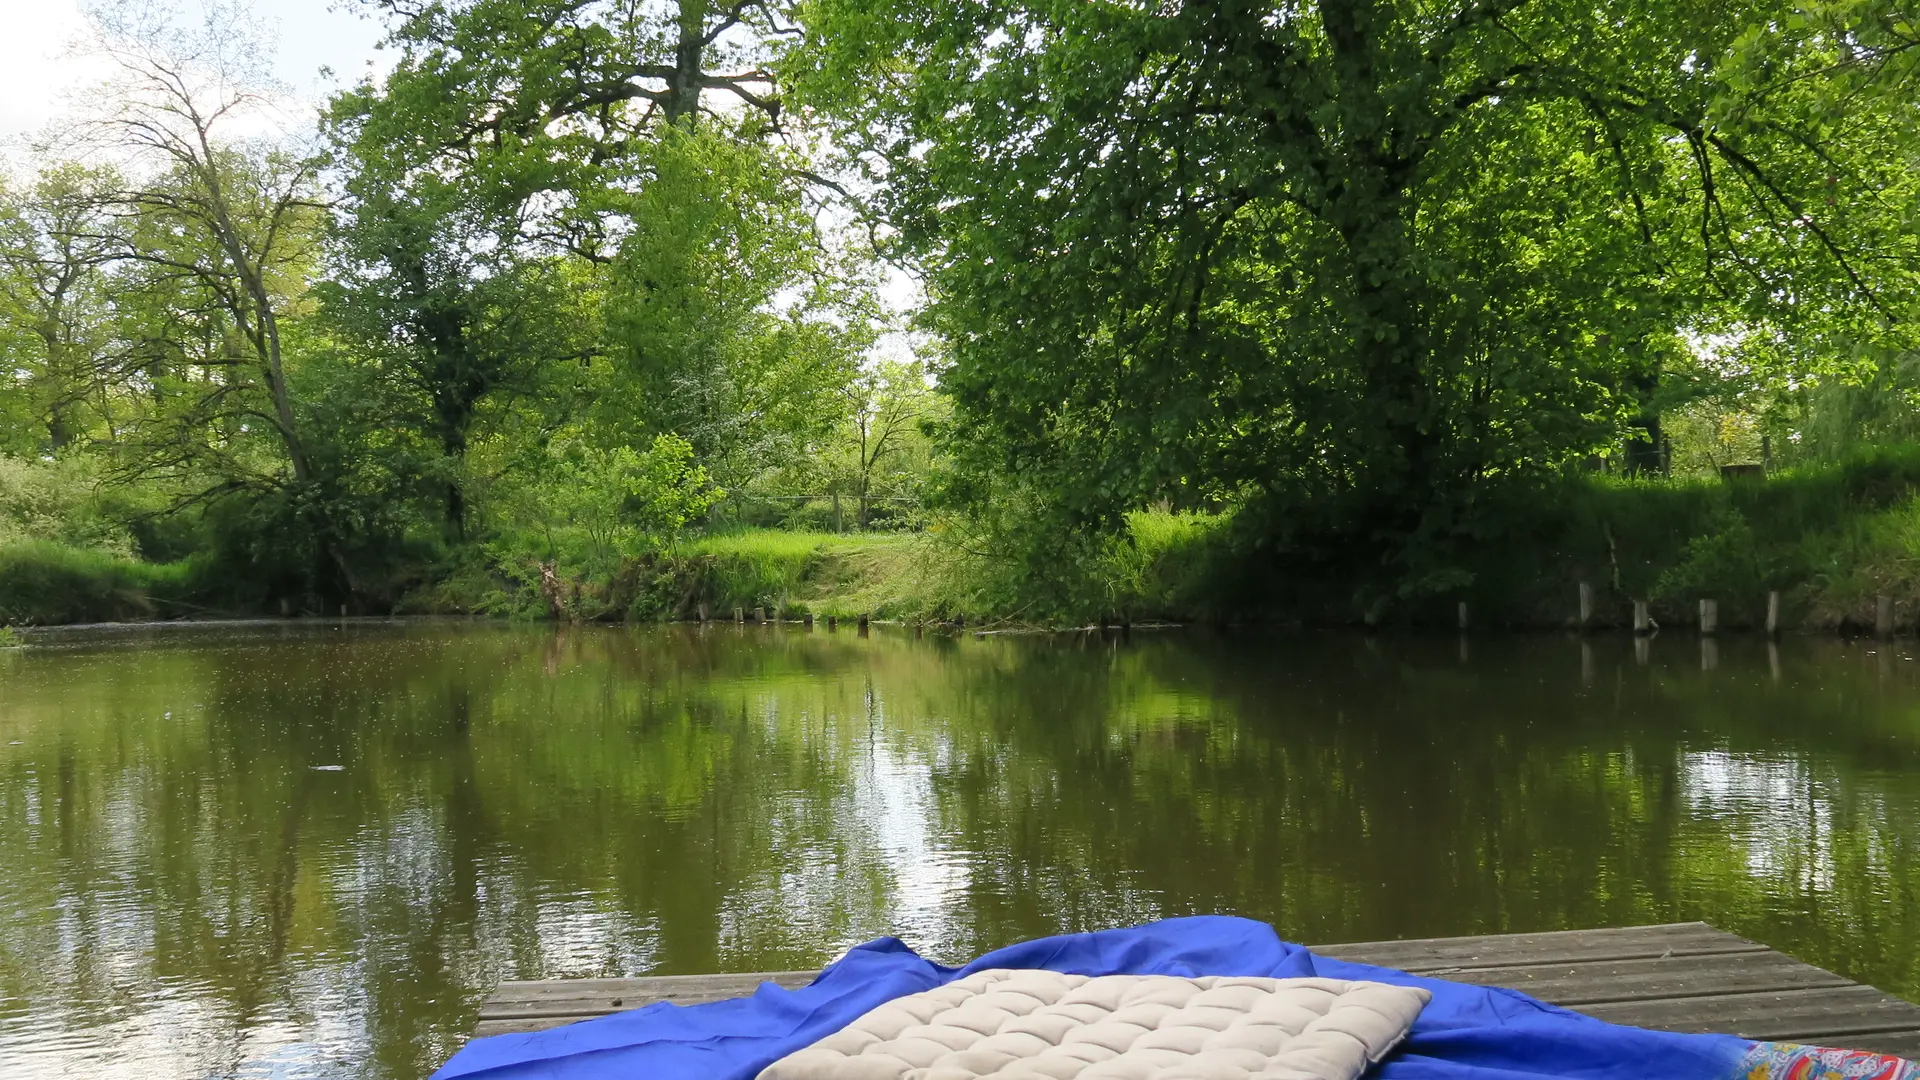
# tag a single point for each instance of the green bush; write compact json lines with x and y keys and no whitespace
{"x":61,"y":501}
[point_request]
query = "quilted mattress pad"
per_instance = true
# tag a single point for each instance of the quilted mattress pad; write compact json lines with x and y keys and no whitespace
{"x":1044,"y":1025}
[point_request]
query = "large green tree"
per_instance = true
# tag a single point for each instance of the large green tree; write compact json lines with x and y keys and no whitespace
{"x":1352,"y":260}
{"x":442,"y":302}
{"x":591,"y":205}
{"x":221,"y":224}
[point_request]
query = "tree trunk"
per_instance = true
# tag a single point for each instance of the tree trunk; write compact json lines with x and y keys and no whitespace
{"x":683,"y":89}
{"x":1373,"y":213}
{"x":1643,"y":451}
{"x":454,"y":416}
{"x":277,"y":387}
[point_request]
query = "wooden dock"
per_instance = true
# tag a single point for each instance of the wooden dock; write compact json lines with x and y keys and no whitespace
{"x":1680,"y":977}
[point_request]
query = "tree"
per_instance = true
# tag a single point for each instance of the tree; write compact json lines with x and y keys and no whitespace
{"x":890,"y":403}
{"x":521,"y":148}
{"x":56,"y":237}
{"x":1349,"y":261}
{"x":432,"y":283}
{"x":228,"y":222}
{"x":621,"y":501}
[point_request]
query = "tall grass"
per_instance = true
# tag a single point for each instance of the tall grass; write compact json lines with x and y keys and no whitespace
{"x":43,"y":582}
{"x":821,"y":572}
{"x":1827,"y":537}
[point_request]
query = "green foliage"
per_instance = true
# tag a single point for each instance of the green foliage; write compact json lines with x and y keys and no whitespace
{"x":56,"y":234}
{"x":592,"y":507}
{"x":871,"y":470}
{"x":1822,"y":535}
{"x":1363,"y":264}
{"x":60,"y":501}
{"x":1311,"y":309}
{"x":700,"y":338}
{"x":46,"y":582}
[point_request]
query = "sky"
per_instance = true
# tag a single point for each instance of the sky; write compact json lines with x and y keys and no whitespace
{"x":39,"y":72}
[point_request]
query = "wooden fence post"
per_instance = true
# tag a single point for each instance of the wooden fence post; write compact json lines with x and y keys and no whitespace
{"x":1642,"y":619}
{"x":833,"y":623}
{"x":1709,"y":617}
{"x":1462,"y":612}
{"x":1773,"y":613}
{"x":1883,"y":616}
{"x":863,"y":625}
{"x":739,"y":615}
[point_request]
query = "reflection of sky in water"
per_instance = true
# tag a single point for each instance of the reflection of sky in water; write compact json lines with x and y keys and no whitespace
{"x":893,"y":791}
{"x":1775,"y":808}
{"x":183,"y":1033}
{"x":584,"y":936}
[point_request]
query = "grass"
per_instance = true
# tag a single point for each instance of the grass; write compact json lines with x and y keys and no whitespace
{"x":818,"y":572}
{"x":43,"y":582}
{"x":1828,"y":537}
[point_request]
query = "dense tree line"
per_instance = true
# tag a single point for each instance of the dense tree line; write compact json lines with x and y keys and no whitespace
{"x":575,"y":275}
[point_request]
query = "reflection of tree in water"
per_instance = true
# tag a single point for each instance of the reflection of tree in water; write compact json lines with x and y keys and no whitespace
{"x":521,"y":802}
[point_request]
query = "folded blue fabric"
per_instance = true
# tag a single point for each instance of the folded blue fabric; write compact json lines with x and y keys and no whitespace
{"x":1465,"y":1033}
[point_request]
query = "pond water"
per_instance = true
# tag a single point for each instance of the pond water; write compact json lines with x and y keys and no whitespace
{"x":309,"y":850}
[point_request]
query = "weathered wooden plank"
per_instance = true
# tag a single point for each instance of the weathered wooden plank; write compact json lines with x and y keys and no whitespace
{"x":1828,"y":1016}
{"x":1593,"y":982}
{"x":1680,"y":977}
{"x":535,"y":1023}
{"x":1904,"y":1044}
{"x":592,"y":997}
{"x":1570,"y":984}
{"x":1441,"y":956}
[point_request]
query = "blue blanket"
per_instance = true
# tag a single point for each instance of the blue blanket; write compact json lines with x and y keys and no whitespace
{"x":1465,"y":1033}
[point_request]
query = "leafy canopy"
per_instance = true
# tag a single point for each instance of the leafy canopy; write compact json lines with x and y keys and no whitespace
{"x":1353,"y":260}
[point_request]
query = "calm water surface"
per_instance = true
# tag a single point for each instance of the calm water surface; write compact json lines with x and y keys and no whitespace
{"x":309,"y":851}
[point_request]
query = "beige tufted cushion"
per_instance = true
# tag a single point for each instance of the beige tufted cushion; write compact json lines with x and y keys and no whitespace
{"x":1042,"y":1025}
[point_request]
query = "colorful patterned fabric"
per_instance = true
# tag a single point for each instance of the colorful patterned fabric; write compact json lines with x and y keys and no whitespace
{"x":1791,"y":1061}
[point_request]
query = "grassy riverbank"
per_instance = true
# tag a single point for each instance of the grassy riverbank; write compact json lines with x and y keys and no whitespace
{"x":1829,"y":539}
{"x":48,"y":582}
